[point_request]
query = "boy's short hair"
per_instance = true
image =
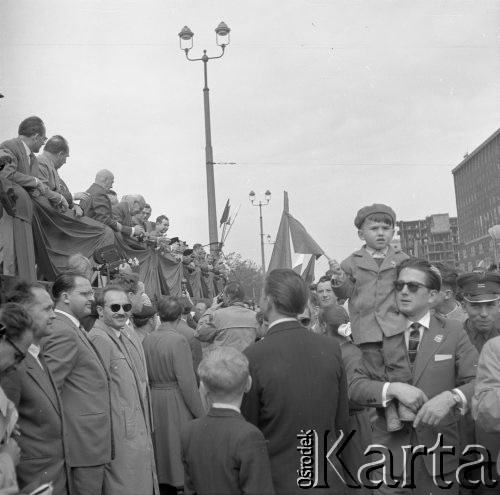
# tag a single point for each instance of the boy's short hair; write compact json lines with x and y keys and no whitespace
{"x":379,"y":217}
{"x":224,"y":372}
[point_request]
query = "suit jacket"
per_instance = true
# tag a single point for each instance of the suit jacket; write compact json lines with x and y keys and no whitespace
{"x":298,"y":383}
{"x":84,"y":385}
{"x":369,"y":287}
{"x":49,"y":175}
{"x":33,"y":391}
{"x":22,"y":177}
{"x":446,"y":359}
{"x":121,"y":213}
{"x":224,"y":454}
{"x":99,"y":208}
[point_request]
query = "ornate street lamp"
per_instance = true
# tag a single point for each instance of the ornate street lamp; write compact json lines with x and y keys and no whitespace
{"x":186,"y":43}
{"x":260,"y":204}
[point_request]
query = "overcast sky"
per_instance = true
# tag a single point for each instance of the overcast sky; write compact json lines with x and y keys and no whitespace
{"x":341,"y":103}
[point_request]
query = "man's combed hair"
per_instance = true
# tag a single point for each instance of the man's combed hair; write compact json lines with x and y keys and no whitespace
{"x":15,"y":319}
{"x":287,"y":290}
{"x":66,"y":282}
{"x":31,"y":126}
{"x":234,"y":291}
{"x":161,"y":218}
{"x":100,"y":296}
{"x":56,"y":144}
{"x":22,"y":292}
{"x":169,"y":308}
{"x":224,"y":372}
{"x":432,"y":274}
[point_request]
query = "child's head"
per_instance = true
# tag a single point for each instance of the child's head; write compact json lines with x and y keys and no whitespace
{"x":375,"y":225}
{"x":225,"y":375}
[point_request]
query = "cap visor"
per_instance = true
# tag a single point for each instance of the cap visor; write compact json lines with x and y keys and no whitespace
{"x":482,"y":298}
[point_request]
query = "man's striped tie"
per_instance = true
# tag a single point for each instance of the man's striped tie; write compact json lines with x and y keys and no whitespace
{"x":413,"y":342}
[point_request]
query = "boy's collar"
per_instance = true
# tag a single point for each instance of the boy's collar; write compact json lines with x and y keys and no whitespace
{"x":377,"y":253}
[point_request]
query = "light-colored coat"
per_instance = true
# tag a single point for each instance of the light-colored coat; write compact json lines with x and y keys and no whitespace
{"x":486,"y":401}
{"x":372,"y":303}
{"x":132,"y":471}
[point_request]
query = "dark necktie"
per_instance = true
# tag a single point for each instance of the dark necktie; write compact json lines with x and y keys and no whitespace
{"x":32,"y":161}
{"x":413,"y":342}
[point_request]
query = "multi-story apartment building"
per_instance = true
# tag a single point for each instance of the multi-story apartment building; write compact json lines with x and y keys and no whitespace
{"x":477,"y":192}
{"x":435,"y":238}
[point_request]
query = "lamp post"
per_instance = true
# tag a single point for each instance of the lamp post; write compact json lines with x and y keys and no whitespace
{"x":495,"y":235}
{"x":186,"y":43}
{"x":260,"y":204}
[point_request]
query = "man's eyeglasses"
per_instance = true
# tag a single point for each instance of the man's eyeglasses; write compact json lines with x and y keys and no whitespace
{"x":116,"y":307}
{"x":412,"y":286}
{"x":20,"y":354}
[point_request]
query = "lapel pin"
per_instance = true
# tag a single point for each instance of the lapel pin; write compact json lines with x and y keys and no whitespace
{"x":438,"y":338}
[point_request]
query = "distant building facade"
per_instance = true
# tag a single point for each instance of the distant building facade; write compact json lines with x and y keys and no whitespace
{"x":477,"y":192}
{"x":435,"y":238}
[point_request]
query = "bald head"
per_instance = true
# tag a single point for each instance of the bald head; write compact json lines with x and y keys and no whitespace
{"x":105,"y":178}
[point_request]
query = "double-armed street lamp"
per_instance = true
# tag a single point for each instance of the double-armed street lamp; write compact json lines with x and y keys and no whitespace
{"x":260,"y":204}
{"x":186,"y":43}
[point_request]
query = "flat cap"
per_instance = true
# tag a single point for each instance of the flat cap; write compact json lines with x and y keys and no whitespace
{"x":370,"y":210}
{"x":480,"y":286}
{"x":145,"y":312}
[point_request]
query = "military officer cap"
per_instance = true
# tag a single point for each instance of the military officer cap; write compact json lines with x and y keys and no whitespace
{"x":366,"y":211}
{"x":480,"y":286}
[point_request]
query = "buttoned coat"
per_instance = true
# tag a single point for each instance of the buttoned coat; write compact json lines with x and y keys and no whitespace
{"x":33,"y":392}
{"x":298,"y":383}
{"x":372,"y":303}
{"x":446,"y":359}
{"x":83,"y":383}
{"x":132,"y":471}
{"x":176,"y":399}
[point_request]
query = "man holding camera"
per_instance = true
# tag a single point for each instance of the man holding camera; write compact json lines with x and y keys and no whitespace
{"x":228,"y":322}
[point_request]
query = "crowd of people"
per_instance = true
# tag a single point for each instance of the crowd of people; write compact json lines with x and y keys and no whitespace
{"x":42,"y":221}
{"x":381,"y":377}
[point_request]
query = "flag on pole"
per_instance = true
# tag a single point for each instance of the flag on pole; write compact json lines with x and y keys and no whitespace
{"x":302,"y":241}
{"x":225,"y":214}
{"x":308,"y":273}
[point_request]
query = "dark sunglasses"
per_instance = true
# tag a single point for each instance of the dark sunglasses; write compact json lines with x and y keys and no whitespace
{"x":412,"y":286}
{"x":116,"y":307}
{"x":20,"y":354}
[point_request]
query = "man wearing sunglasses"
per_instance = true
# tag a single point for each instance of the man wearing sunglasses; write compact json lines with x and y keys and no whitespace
{"x":443,"y":363}
{"x":129,"y":407}
{"x":15,"y":232}
{"x":83,"y":383}
{"x":35,"y":395}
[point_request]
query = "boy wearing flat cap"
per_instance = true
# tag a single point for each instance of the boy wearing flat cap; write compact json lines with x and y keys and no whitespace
{"x":366,"y":278}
